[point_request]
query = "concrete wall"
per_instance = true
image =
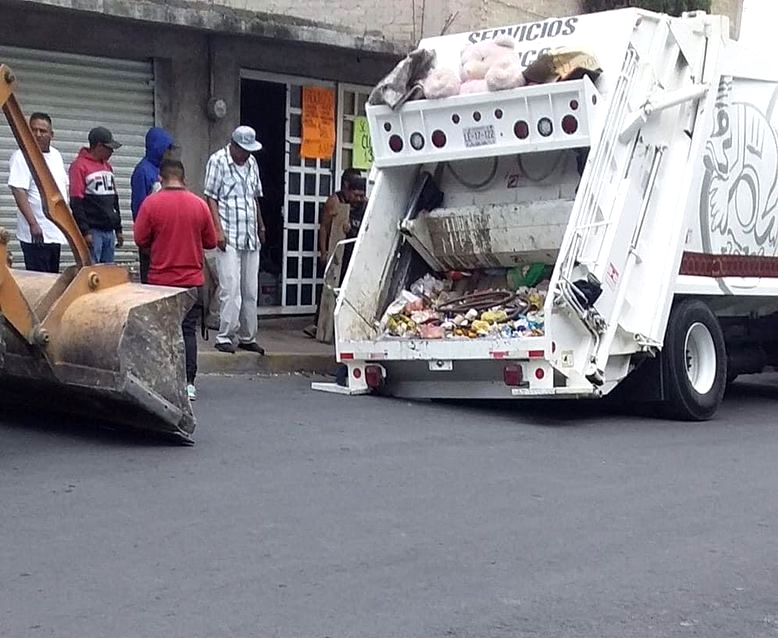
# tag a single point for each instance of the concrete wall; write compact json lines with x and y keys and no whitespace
{"x":182,"y":65}
{"x":311,"y":40}
{"x":731,"y":9}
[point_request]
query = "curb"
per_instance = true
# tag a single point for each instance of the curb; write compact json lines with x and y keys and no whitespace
{"x":271,"y":363}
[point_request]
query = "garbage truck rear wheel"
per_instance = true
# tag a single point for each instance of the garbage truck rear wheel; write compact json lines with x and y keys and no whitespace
{"x":695,"y":362}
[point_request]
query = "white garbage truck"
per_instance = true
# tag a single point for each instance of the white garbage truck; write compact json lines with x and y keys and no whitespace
{"x":646,"y":192}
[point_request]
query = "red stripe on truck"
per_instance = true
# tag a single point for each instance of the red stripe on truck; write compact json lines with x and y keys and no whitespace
{"x":702,"y":265}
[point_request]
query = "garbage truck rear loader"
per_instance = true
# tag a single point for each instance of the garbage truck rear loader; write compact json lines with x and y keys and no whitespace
{"x":647,"y":194}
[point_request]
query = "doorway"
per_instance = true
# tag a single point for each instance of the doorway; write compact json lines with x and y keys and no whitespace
{"x":263,"y":107}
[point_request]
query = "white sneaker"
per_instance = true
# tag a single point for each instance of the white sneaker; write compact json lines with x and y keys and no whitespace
{"x":191,"y":392}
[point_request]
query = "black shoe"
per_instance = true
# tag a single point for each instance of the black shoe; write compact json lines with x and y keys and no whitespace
{"x":252,"y":346}
{"x":225,"y":347}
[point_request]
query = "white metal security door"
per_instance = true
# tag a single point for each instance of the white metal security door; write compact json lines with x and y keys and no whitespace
{"x":308,"y":185}
{"x":80,"y":92}
{"x":351,"y":102}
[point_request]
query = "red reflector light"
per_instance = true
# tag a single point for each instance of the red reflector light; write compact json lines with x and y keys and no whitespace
{"x":438,"y":139}
{"x":357,"y":373}
{"x":346,"y":356}
{"x":521,"y":130}
{"x":374,"y":376}
{"x":512,"y":375}
{"x":536,"y":354}
{"x":569,"y":124}
{"x":396,"y":143}
{"x":540,"y":373}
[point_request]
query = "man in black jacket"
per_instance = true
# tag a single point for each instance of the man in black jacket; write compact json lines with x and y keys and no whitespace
{"x":93,"y":196}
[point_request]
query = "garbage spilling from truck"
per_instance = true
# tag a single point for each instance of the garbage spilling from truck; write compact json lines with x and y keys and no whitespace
{"x":441,"y":308}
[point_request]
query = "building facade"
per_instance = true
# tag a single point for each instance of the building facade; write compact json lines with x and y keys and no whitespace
{"x":199,"y":68}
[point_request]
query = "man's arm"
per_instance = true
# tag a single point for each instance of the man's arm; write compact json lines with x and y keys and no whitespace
{"x":23,"y":204}
{"x":142,"y":229}
{"x":77,"y":188}
{"x":261,"y":234}
{"x":325,"y":227}
{"x":208,"y":232}
{"x":20,"y":181}
{"x":213,"y":180}
{"x":213,"y":206}
{"x":118,"y":229}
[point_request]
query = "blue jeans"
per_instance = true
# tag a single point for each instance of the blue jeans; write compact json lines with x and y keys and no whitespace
{"x":103,"y":244}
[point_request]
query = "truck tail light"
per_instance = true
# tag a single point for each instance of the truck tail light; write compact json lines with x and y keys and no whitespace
{"x":521,"y":130}
{"x":438,"y":138}
{"x":545,"y":126}
{"x":374,"y":376}
{"x":417,"y":141}
{"x":512,"y":375}
{"x":396,"y":143}
{"x":569,"y":124}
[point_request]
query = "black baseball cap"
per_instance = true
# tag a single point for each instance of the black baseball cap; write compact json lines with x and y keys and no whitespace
{"x":101,"y":135}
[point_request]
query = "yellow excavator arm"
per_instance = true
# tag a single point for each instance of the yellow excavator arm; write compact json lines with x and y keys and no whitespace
{"x":88,"y":341}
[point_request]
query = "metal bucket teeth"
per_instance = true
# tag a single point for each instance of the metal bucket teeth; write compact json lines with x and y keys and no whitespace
{"x":114,"y":354}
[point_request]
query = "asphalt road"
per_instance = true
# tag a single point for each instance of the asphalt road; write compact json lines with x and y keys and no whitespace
{"x":300,"y":514}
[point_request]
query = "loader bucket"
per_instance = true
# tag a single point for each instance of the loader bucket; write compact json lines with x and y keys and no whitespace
{"x":113,"y":350}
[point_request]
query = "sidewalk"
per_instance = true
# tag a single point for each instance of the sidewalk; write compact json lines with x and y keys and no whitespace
{"x":287,"y":350}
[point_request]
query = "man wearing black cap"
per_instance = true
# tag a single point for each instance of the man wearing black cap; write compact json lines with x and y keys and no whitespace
{"x":93,"y":196}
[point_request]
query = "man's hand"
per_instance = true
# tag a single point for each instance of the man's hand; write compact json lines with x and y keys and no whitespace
{"x":36,"y":232}
{"x":119,"y":240}
{"x":221,"y":242}
{"x":88,"y":239}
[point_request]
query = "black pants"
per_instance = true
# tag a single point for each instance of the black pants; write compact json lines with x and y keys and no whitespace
{"x":41,"y":257}
{"x":144,"y":257}
{"x":189,"y":329}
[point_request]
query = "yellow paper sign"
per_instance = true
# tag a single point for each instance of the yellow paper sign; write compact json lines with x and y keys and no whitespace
{"x":362,"y":153}
{"x":318,"y":123}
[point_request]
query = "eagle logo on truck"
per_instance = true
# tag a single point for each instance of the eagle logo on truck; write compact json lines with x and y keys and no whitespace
{"x":739,"y":199}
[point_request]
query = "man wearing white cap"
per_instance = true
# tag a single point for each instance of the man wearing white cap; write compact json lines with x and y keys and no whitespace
{"x":232,"y":190}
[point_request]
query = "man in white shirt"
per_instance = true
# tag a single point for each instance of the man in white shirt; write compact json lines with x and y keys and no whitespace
{"x":39,"y":237}
{"x":232,"y":191}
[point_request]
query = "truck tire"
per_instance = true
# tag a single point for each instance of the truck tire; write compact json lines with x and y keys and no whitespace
{"x":694,"y":362}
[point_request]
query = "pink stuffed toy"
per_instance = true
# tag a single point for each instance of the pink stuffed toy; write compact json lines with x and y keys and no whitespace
{"x":490,"y":65}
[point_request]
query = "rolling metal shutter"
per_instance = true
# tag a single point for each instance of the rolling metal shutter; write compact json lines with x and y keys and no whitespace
{"x":80,"y":92}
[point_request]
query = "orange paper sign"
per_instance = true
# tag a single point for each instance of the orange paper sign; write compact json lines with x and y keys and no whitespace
{"x":318,"y":123}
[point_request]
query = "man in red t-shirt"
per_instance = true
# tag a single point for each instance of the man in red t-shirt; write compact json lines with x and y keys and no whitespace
{"x":175,"y":226}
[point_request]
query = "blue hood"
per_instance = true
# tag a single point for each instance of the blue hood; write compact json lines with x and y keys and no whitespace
{"x":158,"y":140}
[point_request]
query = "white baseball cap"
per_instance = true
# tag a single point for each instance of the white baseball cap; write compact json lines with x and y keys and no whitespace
{"x":246,"y":138}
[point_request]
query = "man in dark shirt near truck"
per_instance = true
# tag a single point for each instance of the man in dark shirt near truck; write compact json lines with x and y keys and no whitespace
{"x":93,"y":197}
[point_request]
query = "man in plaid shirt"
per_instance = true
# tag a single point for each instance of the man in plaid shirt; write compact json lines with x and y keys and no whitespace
{"x":232,"y":191}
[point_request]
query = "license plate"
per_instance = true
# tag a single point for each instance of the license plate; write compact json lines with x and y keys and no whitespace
{"x":479,"y":136}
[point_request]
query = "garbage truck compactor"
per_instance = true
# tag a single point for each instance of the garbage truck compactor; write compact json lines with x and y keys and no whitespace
{"x":613,"y":222}
{"x":88,"y":341}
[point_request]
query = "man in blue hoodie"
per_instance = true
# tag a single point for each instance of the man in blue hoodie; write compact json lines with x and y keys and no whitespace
{"x":145,"y":180}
